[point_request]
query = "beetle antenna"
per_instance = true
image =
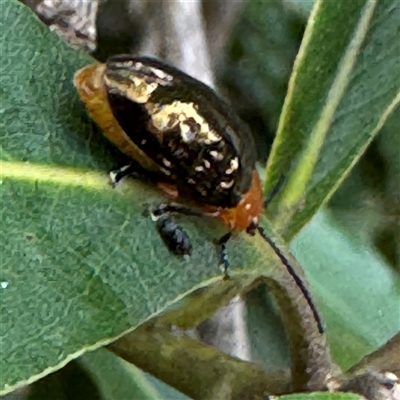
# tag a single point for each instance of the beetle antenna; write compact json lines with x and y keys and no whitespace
{"x":296,"y":278}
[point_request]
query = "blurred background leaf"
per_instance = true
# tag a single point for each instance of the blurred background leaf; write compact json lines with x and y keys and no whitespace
{"x":263,"y":47}
{"x":374,"y":214}
{"x":99,"y":375}
{"x":327,"y":123}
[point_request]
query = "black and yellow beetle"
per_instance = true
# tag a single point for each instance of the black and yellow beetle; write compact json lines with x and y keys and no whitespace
{"x":177,"y":128}
{"x":182,"y":136}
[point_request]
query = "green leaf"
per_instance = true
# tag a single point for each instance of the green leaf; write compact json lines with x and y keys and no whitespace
{"x":344,"y":86}
{"x":367,"y":203}
{"x":356,"y":289}
{"x":99,"y":375}
{"x":117,"y":379}
{"x":321,"y":396}
{"x":81,"y":265}
{"x":71,"y":382}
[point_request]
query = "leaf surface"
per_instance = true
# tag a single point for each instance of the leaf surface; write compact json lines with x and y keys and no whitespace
{"x":344,"y":85}
{"x":81,"y":265}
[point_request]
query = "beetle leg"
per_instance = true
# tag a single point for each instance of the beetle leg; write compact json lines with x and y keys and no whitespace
{"x":252,"y":228}
{"x":133,"y":169}
{"x":117,"y":175}
{"x":164,"y":208}
{"x":222,"y":253}
{"x":174,"y":236}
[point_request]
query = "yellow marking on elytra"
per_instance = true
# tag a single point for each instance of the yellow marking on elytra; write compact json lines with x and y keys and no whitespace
{"x":89,"y":82}
{"x":135,"y":89}
{"x":168,"y":116}
{"x":138,"y":80}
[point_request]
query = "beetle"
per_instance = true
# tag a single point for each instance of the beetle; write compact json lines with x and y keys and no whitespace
{"x":185,"y":139}
{"x":181,"y":134}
